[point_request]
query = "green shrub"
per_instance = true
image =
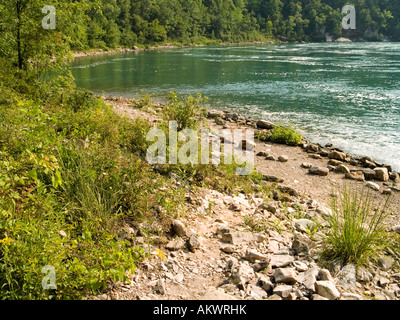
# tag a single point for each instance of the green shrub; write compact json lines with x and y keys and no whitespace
{"x":186,"y":113}
{"x":357,"y":232}
{"x":283,"y":135}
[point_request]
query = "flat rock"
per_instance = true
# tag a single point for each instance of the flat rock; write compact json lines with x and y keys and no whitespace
{"x":253,"y":255}
{"x":262,"y":124}
{"x":283,"y":291}
{"x":280,"y":261}
{"x":236,"y":237}
{"x":355,"y":175}
{"x":373,"y":186}
{"x":285,"y":275}
{"x":337,"y":155}
{"x":175,"y":245}
{"x":327,"y":290}
{"x":319,"y":171}
{"x":341,"y":168}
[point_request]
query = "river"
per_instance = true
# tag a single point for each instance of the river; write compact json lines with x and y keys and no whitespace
{"x":344,"y":93}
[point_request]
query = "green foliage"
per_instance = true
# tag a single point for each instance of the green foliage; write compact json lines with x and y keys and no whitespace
{"x":188,"y":113}
{"x":357,"y":233}
{"x":281,"y":134}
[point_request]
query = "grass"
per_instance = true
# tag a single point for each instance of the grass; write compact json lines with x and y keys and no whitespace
{"x":282,"y":134}
{"x":357,"y":233}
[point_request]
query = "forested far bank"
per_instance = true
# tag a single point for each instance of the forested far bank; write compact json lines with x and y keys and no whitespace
{"x":130,"y":22}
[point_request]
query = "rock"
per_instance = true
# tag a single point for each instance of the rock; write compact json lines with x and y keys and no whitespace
{"x":241,"y":274}
{"x":300,"y":266}
{"x":381,"y":174}
{"x":301,"y":244}
{"x":220,"y":121}
{"x":265,"y":283}
{"x":179,"y":228}
{"x":270,"y":158}
{"x":175,"y":245}
{"x":234,"y":207}
{"x":232,"y":116}
{"x":373,"y":186}
{"x":214,"y":114}
{"x":281,"y":261}
{"x":327,"y":290}
{"x":394,"y":176}
{"x":306,"y":165}
{"x":335,"y":163}
{"x":324,"y":275}
{"x":319,"y":171}
{"x":262,"y":154}
{"x":348,"y":275}
{"x":228,"y":249}
{"x":274,"y":297}
{"x":337,"y":155}
{"x":315,"y":156}
{"x":369,"y":174}
{"x":223,"y":230}
{"x":309,"y":278}
{"x":350,"y":296}
{"x":62,"y":233}
{"x":237,"y":238}
{"x":342,"y":39}
{"x":355,"y":175}
{"x":303,"y":225}
{"x":312,"y":147}
{"x":287,"y":276}
{"x":383,"y":282}
{"x":283,"y":158}
{"x":256,"y":292}
{"x":363,"y":275}
{"x":253,"y":255}
{"x":216,"y":294}
{"x":261,"y":265}
{"x":385,"y":263}
{"x":262,"y":124}
{"x":317,"y":297}
{"x":160,"y":286}
{"x":270,"y":178}
{"x":193,"y":243}
{"x":341,"y":168}
{"x":283,"y":291}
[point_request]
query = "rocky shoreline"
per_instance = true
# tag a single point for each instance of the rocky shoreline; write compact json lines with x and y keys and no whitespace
{"x":239,"y":246}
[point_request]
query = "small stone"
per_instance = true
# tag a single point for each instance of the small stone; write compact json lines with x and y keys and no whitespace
{"x":281,"y":261}
{"x":373,"y":186}
{"x":175,"y":245}
{"x":265,"y":283}
{"x":317,"y":297}
{"x":193,"y":243}
{"x":283,"y":158}
{"x":341,"y":168}
{"x":387,"y":191}
{"x":381,"y":174}
{"x":325,"y":275}
{"x":262,"y":124}
{"x":386,"y":263}
{"x":319,"y":171}
{"x":394,"y":176}
{"x":355,"y":175}
{"x":337,"y":155}
{"x":300,"y":266}
{"x":383,"y":282}
{"x":160,"y":285}
{"x":303,"y":225}
{"x":327,"y":290}
{"x":283,"y":291}
{"x":253,"y":255}
{"x":219,"y":121}
{"x":179,"y":228}
{"x":309,"y":278}
{"x":301,"y":244}
{"x":369,"y":174}
{"x":350,"y":296}
{"x":228,"y":249}
{"x":270,"y":158}
{"x":306,"y":165}
{"x":62,"y":233}
{"x":312,"y":147}
{"x":262,"y":154}
{"x":287,"y":276}
{"x":335,"y":163}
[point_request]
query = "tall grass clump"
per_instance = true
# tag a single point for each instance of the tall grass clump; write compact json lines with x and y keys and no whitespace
{"x":357,"y":233}
{"x":282,"y":134}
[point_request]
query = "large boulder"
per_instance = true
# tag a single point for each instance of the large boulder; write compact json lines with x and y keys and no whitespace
{"x":262,"y":124}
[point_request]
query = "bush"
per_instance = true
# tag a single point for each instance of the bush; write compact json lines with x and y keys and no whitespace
{"x":356,"y":230}
{"x":283,"y":135}
{"x":186,"y":113}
